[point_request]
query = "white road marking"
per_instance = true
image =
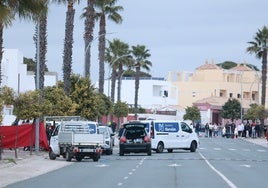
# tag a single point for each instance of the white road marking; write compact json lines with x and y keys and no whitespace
{"x":232,"y":149}
{"x":102,"y":165}
{"x":261,"y":150}
{"x":245,"y":165}
{"x":174,"y":164}
{"x":229,"y":182}
{"x":125,"y":177}
{"x":133,"y":169}
{"x":130,"y":173}
{"x":120,"y":184}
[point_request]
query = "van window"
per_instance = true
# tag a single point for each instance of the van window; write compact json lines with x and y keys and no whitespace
{"x":185,"y":127}
{"x":167,"y":127}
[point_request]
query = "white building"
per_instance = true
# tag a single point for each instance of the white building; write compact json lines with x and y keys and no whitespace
{"x":16,"y":76}
{"x":151,"y":92}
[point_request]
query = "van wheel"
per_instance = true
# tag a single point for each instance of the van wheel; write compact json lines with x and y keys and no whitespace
{"x":160,"y":148}
{"x":170,"y":150}
{"x":193,"y":147}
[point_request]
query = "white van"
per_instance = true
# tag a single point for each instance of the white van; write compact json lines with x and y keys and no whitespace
{"x":172,"y":135}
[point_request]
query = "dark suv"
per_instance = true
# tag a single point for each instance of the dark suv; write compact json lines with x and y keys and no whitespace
{"x":134,"y":139}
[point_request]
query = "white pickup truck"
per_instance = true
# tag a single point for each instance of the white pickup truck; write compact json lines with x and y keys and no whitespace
{"x":76,"y":139}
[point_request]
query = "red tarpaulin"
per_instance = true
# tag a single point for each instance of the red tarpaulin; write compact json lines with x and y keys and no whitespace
{"x":25,"y":136}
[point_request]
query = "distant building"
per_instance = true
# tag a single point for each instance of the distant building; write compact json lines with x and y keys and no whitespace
{"x":16,"y":76}
{"x":210,"y":86}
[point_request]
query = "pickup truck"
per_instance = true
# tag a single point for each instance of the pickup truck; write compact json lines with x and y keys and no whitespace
{"x":76,"y":139}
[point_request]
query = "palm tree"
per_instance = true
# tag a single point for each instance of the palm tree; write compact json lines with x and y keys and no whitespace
{"x":109,"y":9}
{"x":118,"y":56}
{"x":88,"y":35}
{"x":41,"y":30}
{"x":140,"y":54}
{"x":25,"y":9}
{"x":68,"y":43}
{"x":259,"y":48}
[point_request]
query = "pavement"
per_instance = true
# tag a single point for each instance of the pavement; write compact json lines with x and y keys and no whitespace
{"x":28,"y":165}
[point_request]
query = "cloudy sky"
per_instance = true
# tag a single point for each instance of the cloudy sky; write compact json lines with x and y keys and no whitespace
{"x":180,"y":35}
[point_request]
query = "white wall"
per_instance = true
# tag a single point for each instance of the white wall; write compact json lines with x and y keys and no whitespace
{"x":15,"y":75}
{"x":150,"y":92}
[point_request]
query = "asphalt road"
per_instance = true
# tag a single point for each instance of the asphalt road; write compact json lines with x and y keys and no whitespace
{"x":219,"y":162}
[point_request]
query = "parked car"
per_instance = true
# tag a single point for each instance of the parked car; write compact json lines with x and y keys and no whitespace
{"x":134,"y":139}
{"x":108,"y":139}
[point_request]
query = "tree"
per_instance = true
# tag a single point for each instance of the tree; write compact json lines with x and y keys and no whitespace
{"x":57,"y":103}
{"x":85,"y":97}
{"x":117,"y":54}
{"x":192,"y":113}
{"x":231,"y":109}
{"x":120,"y":110}
{"x":24,"y":9}
{"x":259,"y":47}
{"x":88,"y":35}
{"x":141,"y":55}
{"x":7,"y":95}
{"x":105,"y":105}
{"x":109,"y":9}
{"x":41,"y":37}
{"x":68,"y":43}
{"x":256,"y":112}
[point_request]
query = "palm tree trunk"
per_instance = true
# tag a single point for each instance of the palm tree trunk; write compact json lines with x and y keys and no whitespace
{"x":88,"y":36}
{"x":137,"y":85}
{"x":264,"y":76}
{"x":102,"y":53}
{"x":68,"y":46}
{"x":120,"y":72}
{"x":1,"y":51}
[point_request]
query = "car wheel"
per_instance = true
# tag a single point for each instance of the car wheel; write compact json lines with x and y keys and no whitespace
{"x":170,"y":150}
{"x":96,"y":157}
{"x":68,"y":155}
{"x":149,"y":152}
{"x":193,"y":147}
{"x":52,"y":155}
{"x":160,"y":147}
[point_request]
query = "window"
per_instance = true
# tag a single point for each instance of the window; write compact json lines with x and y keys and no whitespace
{"x":230,"y":95}
{"x":238,"y":95}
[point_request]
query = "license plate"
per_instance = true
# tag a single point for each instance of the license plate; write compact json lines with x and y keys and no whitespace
{"x":87,"y":150}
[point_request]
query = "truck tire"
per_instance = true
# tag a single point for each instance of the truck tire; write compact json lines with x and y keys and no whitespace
{"x":68,"y":155}
{"x":160,"y":148}
{"x":52,"y":155}
{"x":96,"y":157}
{"x":78,"y":158}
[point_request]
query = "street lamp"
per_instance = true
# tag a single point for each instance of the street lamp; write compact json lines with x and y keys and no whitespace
{"x":111,"y":65}
{"x":88,"y":47}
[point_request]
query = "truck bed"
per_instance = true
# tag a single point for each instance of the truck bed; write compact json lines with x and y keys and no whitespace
{"x":72,"y":138}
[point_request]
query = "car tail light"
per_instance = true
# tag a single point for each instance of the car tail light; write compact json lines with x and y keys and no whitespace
{"x":147,"y":139}
{"x":123,"y":139}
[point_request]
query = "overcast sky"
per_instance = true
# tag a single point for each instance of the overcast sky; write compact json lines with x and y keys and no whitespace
{"x":180,"y":35}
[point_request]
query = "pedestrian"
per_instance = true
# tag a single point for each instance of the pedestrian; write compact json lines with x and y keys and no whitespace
{"x":206,"y":130}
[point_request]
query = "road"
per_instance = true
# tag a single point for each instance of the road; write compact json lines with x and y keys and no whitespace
{"x":219,"y":162}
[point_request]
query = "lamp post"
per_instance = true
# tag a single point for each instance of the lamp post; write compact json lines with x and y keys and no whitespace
{"x":86,"y":51}
{"x":111,"y":65}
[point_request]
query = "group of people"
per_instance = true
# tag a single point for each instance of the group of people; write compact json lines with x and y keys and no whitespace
{"x":248,"y":129}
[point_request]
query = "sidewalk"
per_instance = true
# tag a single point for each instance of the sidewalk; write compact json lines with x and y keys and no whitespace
{"x":26,"y":166}
{"x":258,"y":141}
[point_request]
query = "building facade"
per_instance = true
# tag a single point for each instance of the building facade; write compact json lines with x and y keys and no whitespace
{"x":210,"y":86}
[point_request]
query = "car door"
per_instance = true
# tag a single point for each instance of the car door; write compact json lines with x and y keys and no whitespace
{"x":54,"y":141}
{"x":185,"y":135}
